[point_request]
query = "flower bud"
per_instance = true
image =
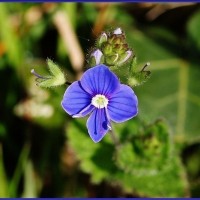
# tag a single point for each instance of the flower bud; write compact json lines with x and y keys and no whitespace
{"x":124,"y":57}
{"x":102,"y":39}
{"x":107,"y":49}
{"x":96,"y":58}
{"x":118,"y":31}
{"x":112,"y":60}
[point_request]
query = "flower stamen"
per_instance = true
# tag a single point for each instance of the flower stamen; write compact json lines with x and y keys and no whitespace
{"x":99,"y":101}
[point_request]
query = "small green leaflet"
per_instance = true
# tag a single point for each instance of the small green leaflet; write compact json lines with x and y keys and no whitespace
{"x":56,"y":77}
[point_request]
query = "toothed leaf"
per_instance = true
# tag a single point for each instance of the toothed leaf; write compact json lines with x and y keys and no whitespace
{"x":54,"y":69}
{"x":56,"y":77}
{"x":52,"y":82}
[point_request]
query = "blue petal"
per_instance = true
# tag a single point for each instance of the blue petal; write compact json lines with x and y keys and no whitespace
{"x":97,"y":124}
{"x":76,"y":101}
{"x":99,"y":80}
{"x":123,"y":105}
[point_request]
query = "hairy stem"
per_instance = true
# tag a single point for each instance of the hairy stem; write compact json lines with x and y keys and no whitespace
{"x":68,"y":83}
{"x":114,"y":138}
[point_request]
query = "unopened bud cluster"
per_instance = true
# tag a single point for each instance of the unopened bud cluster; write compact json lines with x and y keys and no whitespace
{"x":111,"y":49}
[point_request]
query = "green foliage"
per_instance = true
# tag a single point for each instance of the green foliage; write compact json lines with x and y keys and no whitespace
{"x":31,"y":184}
{"x":3,"y":179}
{"x":170,"y":183}
{"x":193,"y":28}
{"x":138,"y":77}
{"x":143,"y":157}
{"x":86,"y":149}
{"x":150,"y":150}
{"x":2,"y":130}
{"x":14,"y":183}
{"x":113,"y":50}
{"x":153,"y":158}
{"x":8,"y":35}
{"x":172,"y":92}
{"x":56,"y":77}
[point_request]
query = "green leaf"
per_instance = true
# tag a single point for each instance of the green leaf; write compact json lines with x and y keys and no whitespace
{"x":2,"y":130}
{"x":99,"y":160}
{"x":169,"y":183}
{"x":14,"y":183}
{"x":92,"y":154}
{"x":191,"y":161}
{"x":30,"y":182}
{"x":9,"y":37}
{"x":146,"y":49}
{"x":3,"y":179}
{"x":138,"y":77}
{"x":56,"y":77}
{"x":148,"y":152}
{"x":148,"y":159}
{"x":53,"y":68}
{"x":193,"y":28}
{"x":173,"y":90}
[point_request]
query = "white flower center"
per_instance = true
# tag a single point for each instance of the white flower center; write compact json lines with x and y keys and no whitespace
{"x":99,"y":101}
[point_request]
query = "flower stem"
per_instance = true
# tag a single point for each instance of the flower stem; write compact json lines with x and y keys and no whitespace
{"x":68,"y":83}
{"x":114,"y":138}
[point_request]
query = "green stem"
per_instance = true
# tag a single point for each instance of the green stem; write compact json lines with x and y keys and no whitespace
{"x":68,"y":83}
{"x":23,"y":158}
{"x":114,"y":138}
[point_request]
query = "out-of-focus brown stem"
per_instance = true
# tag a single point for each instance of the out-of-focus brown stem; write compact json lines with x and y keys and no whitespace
{"x":67,"y":33}
{"x":159,"y":9}
{"x":102,"y":18}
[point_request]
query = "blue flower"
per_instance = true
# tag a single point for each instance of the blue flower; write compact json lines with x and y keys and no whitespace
{"x":100,"y":93}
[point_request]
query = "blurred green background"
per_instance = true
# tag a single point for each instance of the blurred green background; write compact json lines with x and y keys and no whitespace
{"x":44,"y":153}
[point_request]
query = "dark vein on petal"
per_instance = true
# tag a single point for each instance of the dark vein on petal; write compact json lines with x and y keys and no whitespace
{"x":76,"y":103}
{"x":71,"y":98}
{"x":103,"y":83}
{"x":119,"y":102}
{"x":119,"y":109}
{"x":108,"y":85}
{"x":95,"y":122}
{"x":91,"y":84}
{"x":97,"y":80}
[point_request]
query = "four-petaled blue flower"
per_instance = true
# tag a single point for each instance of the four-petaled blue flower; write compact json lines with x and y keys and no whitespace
{"x":100,"y":93}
